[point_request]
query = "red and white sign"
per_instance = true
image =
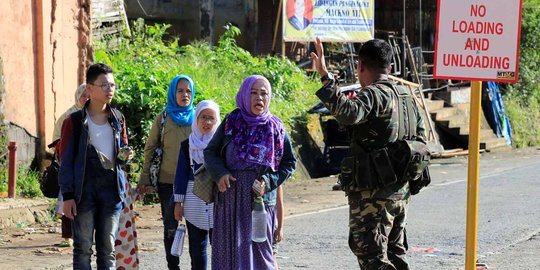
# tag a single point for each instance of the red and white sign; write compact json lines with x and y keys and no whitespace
{"x":478,"y":40}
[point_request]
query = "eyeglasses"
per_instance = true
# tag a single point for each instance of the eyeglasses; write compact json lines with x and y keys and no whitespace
{"x":106,"y":86}
{"x":205,"y":118}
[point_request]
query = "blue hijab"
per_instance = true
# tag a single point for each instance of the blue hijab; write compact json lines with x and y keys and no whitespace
{"x":182,"y":116}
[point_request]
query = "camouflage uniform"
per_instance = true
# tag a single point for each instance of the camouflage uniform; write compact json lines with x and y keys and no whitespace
{"x":377,"y":215}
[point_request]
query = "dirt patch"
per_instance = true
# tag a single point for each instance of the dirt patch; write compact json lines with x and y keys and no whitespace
{"x":39,"y":241}
{"x":22,"y":212}
{"x":312,"y":195}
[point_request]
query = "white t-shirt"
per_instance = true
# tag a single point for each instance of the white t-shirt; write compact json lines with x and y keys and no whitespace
{"x":101,"y":137}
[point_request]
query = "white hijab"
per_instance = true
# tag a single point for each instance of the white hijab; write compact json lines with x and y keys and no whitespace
{"x":197,"y":140}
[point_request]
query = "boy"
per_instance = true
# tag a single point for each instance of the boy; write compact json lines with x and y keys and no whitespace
{"x":91,"y":180}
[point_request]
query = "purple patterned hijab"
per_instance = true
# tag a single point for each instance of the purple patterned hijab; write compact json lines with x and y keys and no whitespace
{"x":258,"y":138}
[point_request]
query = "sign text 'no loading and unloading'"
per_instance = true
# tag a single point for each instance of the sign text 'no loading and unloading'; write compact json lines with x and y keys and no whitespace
{"x":478,"y":40}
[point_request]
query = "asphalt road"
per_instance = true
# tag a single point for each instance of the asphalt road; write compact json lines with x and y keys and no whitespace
{"x":508,"y":223}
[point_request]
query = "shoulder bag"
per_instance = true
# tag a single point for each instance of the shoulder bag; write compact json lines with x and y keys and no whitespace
{"x":203,"y":186}
{"x":157,"y":156}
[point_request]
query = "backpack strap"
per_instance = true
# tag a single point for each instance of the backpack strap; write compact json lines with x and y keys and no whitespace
{"x":413,"y":114}
{"x":53,"y":144}
{"x":406,"y":112}
{"x":119,"y":115}
{"x":76,"y":120}
{"x":162,"y":127}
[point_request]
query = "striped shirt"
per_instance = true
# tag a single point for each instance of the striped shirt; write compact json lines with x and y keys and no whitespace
{"x":196,"y":211}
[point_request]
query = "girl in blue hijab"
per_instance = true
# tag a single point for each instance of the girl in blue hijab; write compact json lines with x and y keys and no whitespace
{"x":170,"y":128}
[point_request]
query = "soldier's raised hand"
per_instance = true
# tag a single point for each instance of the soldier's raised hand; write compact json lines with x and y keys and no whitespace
{"x":318,"y":58}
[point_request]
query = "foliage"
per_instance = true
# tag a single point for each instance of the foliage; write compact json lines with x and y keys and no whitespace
{"x":525,"y":122}
{"x":3,"y":160}
{"x":3,"y":181}
{"x":51,"y":210}
{"x":28,"y":183}
{"x":523,"y":98}
{"x":528,"y":87}
{"x":27,"y":180}
{"x":145,"y":63}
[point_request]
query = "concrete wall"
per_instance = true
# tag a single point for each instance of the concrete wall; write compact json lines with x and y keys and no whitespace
{"x":17,"y":51}
{"x":185,"y":21}
{"x":234,"y":12}
{"x":65,"y":55}
{"x":61,"y":38}
{"x":182,"y":15}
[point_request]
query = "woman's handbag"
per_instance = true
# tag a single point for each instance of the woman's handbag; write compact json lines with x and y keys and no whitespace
{"x":157,"y":155}
{"x":203,"y":186}
{"x":178,"y":243}
{"x":49,"y":180}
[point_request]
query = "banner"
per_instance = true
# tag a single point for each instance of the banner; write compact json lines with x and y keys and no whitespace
{"x":330,"y":20}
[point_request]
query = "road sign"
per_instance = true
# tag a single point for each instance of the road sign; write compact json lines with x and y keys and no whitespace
{"x":478,"y":40}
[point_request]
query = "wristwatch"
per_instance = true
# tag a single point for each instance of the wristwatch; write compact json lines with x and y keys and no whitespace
{"x":328,"y":77}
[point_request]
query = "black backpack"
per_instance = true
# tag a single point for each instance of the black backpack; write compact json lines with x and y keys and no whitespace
{"x":48,"y":182}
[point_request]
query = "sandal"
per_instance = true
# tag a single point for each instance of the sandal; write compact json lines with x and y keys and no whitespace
{"x":65,"y":243}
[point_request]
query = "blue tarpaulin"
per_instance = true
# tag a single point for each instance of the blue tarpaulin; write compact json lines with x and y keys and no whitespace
{"x":494,"y":111}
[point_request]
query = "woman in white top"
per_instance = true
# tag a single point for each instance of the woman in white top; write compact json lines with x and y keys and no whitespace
{"x":198,"y":214}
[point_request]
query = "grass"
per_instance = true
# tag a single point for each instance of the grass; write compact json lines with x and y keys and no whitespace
{"x":525,"y":121}
{"x":146,"y":62}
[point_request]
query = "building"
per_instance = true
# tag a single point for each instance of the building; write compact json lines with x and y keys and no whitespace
{"x":44,"y":52}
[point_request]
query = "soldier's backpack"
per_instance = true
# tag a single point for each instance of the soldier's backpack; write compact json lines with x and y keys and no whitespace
{"x":409,"y":155}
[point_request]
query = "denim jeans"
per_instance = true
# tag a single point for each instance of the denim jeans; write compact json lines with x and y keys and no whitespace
{"x":198,"y":243}
{"x":98,"y":212}
{"x":165,"y":193}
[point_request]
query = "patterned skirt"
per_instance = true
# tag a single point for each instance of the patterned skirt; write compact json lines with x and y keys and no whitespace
{"x":127,"y":257}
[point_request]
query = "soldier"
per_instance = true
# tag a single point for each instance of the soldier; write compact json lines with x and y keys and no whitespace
{"x":377,"y":197}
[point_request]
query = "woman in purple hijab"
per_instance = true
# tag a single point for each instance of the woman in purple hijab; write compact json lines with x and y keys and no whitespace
{"x":250,"y":146}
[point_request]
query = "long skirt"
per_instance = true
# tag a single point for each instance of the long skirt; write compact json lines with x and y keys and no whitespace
{"x":232,"y":248}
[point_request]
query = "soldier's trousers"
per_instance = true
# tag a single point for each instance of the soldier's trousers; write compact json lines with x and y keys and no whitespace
{"x":377,"y":233}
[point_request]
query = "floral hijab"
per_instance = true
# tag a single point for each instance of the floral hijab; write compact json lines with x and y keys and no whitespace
{"x":258,"y":138}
